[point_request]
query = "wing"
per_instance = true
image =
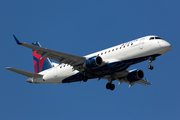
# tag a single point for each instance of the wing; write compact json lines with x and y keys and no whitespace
{"x":143,"y":82}
{"x":73,"y":60}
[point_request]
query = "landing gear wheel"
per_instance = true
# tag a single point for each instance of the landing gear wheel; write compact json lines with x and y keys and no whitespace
{"x":85,"y":79}
{"x":108,"y":85}
{"x":150,"y":67}
{"x":112,"y":87}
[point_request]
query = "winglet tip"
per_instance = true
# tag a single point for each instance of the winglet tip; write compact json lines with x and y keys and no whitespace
{"x":8,"y":68}
{"x":17,"y":41}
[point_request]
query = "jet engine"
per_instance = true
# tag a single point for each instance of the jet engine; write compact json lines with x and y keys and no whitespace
{"x":135,"y":75}
{"x":93,"y":62}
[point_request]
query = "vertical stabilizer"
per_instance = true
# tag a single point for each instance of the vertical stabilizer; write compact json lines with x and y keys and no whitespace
{"x":40,"y":64}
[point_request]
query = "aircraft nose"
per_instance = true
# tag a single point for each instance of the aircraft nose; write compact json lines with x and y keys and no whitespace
{"x":166,"y":45}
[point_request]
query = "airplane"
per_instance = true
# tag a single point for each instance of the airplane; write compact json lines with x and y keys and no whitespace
{"x":109,"y":64}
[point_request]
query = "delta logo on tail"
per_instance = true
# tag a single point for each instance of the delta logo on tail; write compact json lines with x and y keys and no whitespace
{"x":40,"y":64}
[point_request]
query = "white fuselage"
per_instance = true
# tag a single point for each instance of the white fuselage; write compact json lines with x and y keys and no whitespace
{"x":127,"y":51}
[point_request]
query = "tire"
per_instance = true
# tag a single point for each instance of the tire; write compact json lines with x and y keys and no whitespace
{"x":112,"y":87}
{"x":150,"y":67}
{"x":85,"y":79}
{"x":108,"y":85}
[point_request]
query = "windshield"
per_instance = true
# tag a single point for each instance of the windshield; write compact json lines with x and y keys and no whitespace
{"x":158,"y":38}
{"x":153,"y":38}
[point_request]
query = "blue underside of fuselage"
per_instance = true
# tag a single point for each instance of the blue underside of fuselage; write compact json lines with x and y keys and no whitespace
{"x":107,"y":69}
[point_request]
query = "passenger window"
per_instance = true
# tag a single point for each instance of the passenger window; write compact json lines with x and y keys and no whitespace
{"x":116,"y":48}
{"x":105,"y":52}
{"x":112,"y":49}
{"x":124,"y":46}
{"x":101,"y":53}
{"x":131,"y":43}
{"x":120,"y":48}
{"x":109,"y":51}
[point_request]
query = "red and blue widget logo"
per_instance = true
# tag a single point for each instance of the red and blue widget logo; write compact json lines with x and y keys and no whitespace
{"x":38,"y":62}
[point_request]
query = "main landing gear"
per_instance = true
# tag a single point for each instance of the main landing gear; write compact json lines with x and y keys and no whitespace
{"x":85,"y":78}
{"x":110,"y":86}
{"x":150,"y":61}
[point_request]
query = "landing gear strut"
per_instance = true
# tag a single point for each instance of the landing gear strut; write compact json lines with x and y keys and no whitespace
{"x":110,"y":86}
{"x":150,"y":61}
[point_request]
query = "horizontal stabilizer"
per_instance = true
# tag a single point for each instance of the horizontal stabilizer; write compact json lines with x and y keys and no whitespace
{"x":25,"y":73}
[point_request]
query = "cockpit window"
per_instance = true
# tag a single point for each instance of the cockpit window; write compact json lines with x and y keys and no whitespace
{"x":152,"y":38}
{"x":158,"y":38}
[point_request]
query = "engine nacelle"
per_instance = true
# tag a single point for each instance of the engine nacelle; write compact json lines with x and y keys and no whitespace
{"x":93,"y":62}
{"x":135,"y":75}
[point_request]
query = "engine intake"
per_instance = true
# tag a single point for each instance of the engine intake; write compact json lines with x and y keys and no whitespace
{"x":135,"y":75}
{"x":93,"y":62}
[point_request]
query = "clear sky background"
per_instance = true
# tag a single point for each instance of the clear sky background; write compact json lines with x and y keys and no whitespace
{"x":81,"y":27}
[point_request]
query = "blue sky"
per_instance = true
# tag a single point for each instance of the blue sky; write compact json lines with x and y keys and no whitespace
{"x":81,"y":27}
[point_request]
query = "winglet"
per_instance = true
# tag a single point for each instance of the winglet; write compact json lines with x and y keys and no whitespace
{"x":17,"y":41}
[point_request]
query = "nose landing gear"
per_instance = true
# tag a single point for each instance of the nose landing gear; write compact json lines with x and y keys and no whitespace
{"x":150,"y":67}
{"x":150,"y":61}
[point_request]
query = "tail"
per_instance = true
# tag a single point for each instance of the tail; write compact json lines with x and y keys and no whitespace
{"x":40,"y":64}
